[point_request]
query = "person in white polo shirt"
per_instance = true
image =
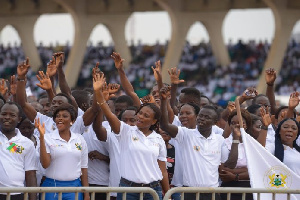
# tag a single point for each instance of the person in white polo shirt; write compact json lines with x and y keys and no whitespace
{"x":18,"y":161}
{"x":201,"y":148}
{"x":63,"y":154}
{"x":142,"y":150}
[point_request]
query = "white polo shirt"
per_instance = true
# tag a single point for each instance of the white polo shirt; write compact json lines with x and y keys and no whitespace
{"x":226,"y":148}
{"x":139,"y":154}
{"x":17,"y":155}
{"x":291,"y":156}
{"x":41,"y":171}
{"x":98,"y":172}
{"x":50,"y":125}
{"x":67,"y":158}
{"x":202,"y":157}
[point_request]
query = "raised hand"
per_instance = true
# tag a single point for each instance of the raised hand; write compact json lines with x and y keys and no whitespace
{"x":265,"y":115}
{"x":59,"y":59}
{"x":51,"y":67}
{"x":249,"y":93}
{"x":98,"y":81}
{"x":13,"y":85}
{"x":105,"y":92}
{"x":118,"y":60}
{"x":157,"y":71}
{"x":96,"y":70}
{"x":3,"y":87}
{"x":294,"y":100}
{"x":164,"y":92}
{"x":45,"y":81}
{"x":270,"y":76}
{"x":147,"y":99}
{"x":236,"y":131}
{"x":113,"y":88}
{"x":174,"y":76}
{"x":40,"y":127}
{"x":23,"y":68}
{"x":230,"y":106}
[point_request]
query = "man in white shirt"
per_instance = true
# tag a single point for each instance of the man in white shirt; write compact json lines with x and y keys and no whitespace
{"x":18,"y":161}
{"x":201,"y":148}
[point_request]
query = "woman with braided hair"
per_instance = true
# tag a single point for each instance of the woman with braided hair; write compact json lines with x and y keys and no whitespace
{"x":142,"y":149}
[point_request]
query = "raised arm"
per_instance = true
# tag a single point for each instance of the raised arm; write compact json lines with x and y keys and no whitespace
{"x":4,"y":89}
{"x":62,"y":82}
{"x":100,"y":131}
{"x":293,"y":103}
{"x":52,"y":71}
{"x":229,"y":109}
{"x":248,"y":94}
{"x":233,"y":155}
{"x":98,"y":82}
{"x":175,"y":81}
{"x":126,"y":85}
{"x":157,"y":74}
{"x":270,"y":76}
{"x":172,"y":130}
{"x":28,"y":109}
{"x":45,"y":157}
{"x":266,"y":120}
{"x":13,"y":87}
{"x":45,"y":84}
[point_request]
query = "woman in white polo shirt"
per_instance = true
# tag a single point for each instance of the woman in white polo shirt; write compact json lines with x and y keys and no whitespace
{"x":63,"y":154}
{"x":285,"y":147}
{"x":143,"y":151}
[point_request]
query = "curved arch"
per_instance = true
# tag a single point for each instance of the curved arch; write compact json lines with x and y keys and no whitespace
{"x":146,"y":27}
{"x":197,"y":33}
{"x":48,"y":25}
{"x":249,"y":24}
{"x":100,"y":33}
{"x":10,"y":36}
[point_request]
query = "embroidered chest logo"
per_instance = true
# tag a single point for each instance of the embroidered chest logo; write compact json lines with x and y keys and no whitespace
{"x":135,"y":138}
{"x":13,"y":148}
{"x":78,"y":146}
{"x":197,"y":148}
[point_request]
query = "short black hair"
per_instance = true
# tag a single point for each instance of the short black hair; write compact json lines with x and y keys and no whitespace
{"x":81,"y":96}
{"x":64,"y":95}
{"x":129,"y":108}
{"x":67,"y":107}
{"x":124,"y":99}
{"x":260,"y":95}
{"x":191,"y":91}
{"x":253,"y":108}
{"x":212,"y":108}
{"x":21,"y":113}
{"x":196,"y":107}
{"x":281,"y":108}
{"x":43,"y":96}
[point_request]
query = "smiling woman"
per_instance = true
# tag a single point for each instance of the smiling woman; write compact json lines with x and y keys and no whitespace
{"x":64,"y":154}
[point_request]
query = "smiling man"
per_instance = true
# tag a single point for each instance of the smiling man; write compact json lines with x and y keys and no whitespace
{"x":18,"y":162}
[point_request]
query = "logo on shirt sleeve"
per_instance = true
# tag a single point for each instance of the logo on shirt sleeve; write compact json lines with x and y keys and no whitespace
{"x":78,"y":146}
{"x":13,"y":148}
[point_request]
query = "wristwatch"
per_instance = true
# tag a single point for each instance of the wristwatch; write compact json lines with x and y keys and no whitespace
{"x":235,"y":141}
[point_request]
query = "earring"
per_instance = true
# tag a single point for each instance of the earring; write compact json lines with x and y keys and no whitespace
{"x":71,"y":123}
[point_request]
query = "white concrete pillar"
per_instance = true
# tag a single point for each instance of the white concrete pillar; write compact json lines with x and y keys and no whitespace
{"x":116,"y":26}
{"x":25,"y":28}
{"x":213,"y":22}
{"x":285,"y":20}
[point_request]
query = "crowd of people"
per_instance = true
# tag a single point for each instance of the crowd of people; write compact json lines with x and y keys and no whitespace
{"x":220,"y":83}
{"x":100,"y":137}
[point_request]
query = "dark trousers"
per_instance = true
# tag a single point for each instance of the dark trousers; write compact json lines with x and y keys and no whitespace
{"x":236,"y":196}
{"x":12,"y":197}
{"x":203,"y":196}
{"x":98,"y":196}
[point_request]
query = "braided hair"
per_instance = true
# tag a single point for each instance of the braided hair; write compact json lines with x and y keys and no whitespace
{"x":279,"y":150}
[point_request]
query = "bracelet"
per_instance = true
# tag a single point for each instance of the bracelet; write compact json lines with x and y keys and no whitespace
{"x":21,"y":79}
{"x":270,"y":84}
{"x":235,"y":141}
{"x":100,"y":104}
{"x":236,"y":177}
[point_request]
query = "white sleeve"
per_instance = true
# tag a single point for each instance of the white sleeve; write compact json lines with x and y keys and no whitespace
{"x":298,"y":141}
{"x":80,"y":112}
{"x":162,"y":156}
{"x":84,"y":153}
{"x":217,"y":130}
{"x":224,"y":153}
{"x":124,"y":129}
{"x":43,"y":118}
{"x":181,"y":134}
{"x":176,"y":121}
{"x":78,"y":126}
{"x":270,"y":146}
{"x":30,"y":159}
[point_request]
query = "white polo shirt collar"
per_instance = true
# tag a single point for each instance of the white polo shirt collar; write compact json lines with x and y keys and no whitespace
{"x":17,"y":137}
{"x":55,"y":135}
{"x":212,"y":136}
